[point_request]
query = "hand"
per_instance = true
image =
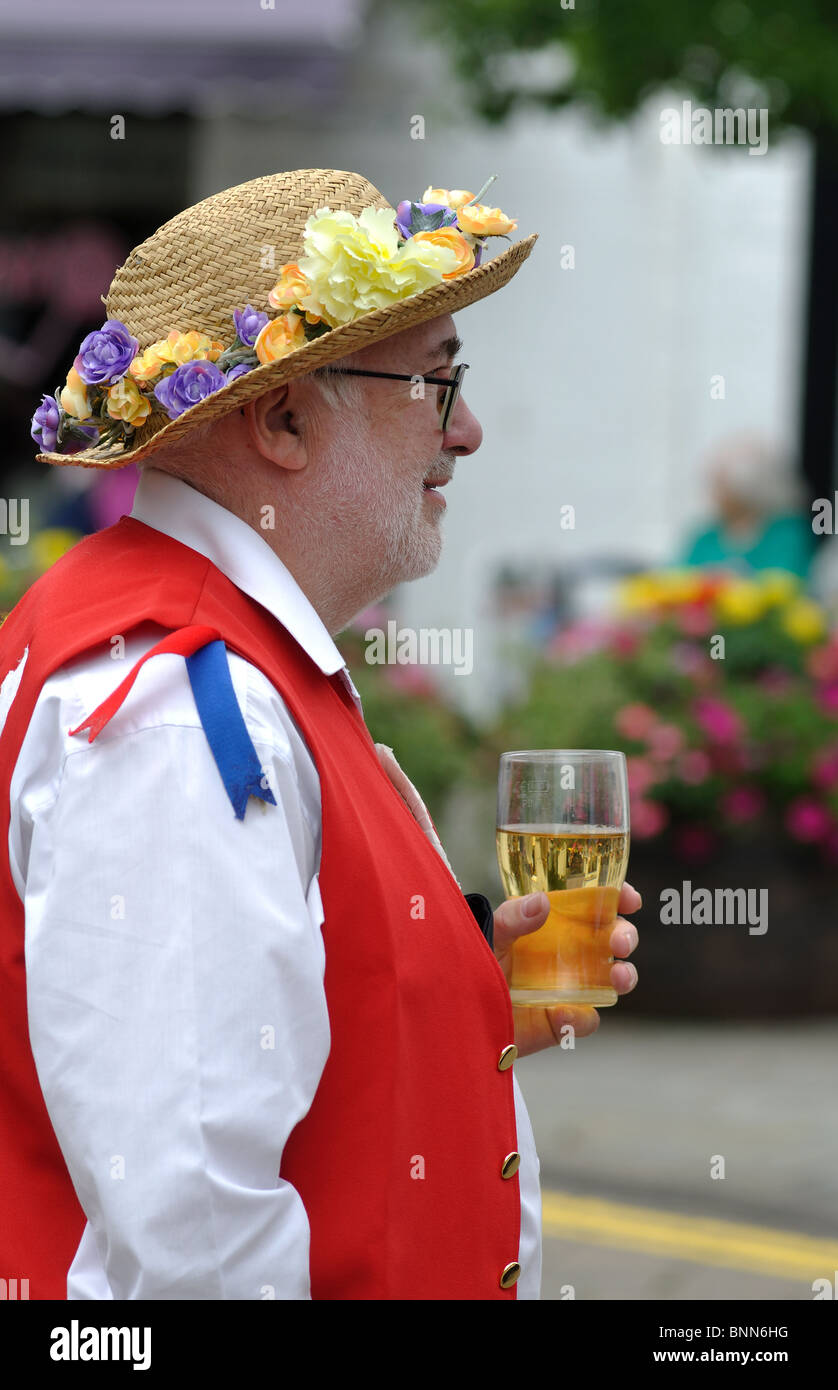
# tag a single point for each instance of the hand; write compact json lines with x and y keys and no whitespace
{"x":536,"y":1029}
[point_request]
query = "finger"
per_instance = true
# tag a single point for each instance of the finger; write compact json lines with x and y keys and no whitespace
{"x":624,"y":938}
{"x":629,"y":900}
{"x":582,"y":1021}
{"x":623,"y":977}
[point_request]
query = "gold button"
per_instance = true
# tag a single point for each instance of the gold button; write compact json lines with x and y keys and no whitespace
{"x":510,"y":1275}
{"x":510,"y":1165}
{"x":507,"y":1057}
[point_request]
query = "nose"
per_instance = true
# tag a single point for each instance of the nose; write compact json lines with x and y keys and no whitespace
{"x":465,"y":433}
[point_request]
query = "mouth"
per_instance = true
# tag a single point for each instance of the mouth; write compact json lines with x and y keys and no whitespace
{"x":431,"y":488}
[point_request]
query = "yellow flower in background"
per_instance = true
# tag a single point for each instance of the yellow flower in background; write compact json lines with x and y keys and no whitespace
{"x":73,"y":397}
{"x":50,"y":544}
{"x":804,"y":620}
{"x":279,"y":337}
{"x":479,"y":220}
{"x":449,"y":236}
{"x":125,"y":402}
{"x":742,"y":601}
{"x":355,"y":264}
{"x":448,"y":197}
{"x":638,"y":593}
{"x":778,"y":586}
{"x":659,"y":589}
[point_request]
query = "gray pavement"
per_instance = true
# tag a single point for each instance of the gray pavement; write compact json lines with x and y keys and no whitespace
{"x":635,"y":1115}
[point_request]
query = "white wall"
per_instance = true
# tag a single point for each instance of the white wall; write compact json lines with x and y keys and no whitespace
{"x":593,"y":384}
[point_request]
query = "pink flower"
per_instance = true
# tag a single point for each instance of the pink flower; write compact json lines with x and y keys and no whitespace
{"x":743,"y":804}
{"x":806,"y":819}
{"x":828,"y":698}
{"x":578,"y":640}
{"x":411,"y":679}
{"x":693,"y":767}
{"x":825,"y":768}
{"x":635,"y":721}
{"x":624,"y":643}
{"x":694,"y":842}
{"x":641,"y":775}
{"x":695,"y":620}
{"x":717,"y":720}
{"x":665,"y":740}
{"x":648,"y":819}
{"x":822,"y":662}
{"x":690,"y":660}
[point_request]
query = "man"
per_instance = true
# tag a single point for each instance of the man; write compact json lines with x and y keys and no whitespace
{"x":259,"y":1073}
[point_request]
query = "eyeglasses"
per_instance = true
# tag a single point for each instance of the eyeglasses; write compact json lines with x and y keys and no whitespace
{"x":452,"y":386}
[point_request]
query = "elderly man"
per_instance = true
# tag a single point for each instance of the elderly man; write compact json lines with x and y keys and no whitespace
{"x":240,"y":1065}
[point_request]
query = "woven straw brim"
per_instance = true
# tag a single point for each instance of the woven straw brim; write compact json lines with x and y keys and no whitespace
{"x":444,"y":298}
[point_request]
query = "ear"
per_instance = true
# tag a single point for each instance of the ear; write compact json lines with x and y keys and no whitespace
{"x":272,"y":428}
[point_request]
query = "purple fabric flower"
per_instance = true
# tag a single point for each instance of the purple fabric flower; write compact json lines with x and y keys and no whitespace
{"x":240,"y":369}
{"x":189,"y":383}
{"x":106,"y":355}
{"x":418,"y":217}
{"x":249,"y":323}
{"x":45,"y":423}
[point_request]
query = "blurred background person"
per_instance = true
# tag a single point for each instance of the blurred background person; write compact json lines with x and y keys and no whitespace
{"x":758,"y":519}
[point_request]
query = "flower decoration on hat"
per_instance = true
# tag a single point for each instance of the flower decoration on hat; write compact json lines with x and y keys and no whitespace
{"x":350,"y":267}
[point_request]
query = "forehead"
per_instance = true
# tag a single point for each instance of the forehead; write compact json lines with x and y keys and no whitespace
{"x":418,"y":342}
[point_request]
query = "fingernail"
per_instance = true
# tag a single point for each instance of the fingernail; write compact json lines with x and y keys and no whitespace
{"x":533,"y":905}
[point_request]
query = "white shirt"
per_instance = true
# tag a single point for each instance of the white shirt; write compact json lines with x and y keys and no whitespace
{"x":178,"y":1018}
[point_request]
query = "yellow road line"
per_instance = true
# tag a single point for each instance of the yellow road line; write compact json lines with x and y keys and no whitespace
{"x":729,"y":1244}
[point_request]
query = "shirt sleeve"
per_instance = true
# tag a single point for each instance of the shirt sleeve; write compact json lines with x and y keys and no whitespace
{"x":177,"y":1011}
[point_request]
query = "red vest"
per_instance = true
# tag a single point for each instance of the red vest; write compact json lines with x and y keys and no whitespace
{"x":398,"y":1161}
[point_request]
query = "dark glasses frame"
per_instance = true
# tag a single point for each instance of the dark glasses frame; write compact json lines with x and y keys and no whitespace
{"x":453,"y":384}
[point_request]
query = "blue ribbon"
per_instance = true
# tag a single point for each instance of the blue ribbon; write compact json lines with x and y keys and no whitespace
{"x":226,"y":731}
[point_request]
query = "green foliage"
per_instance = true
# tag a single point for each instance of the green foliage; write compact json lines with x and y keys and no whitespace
{"x":621,"y":51}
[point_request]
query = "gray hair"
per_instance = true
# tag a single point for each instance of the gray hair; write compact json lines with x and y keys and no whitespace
{"x":336,"y":388}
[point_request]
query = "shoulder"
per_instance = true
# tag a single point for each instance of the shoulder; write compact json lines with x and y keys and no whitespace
{"x":160,"y":697}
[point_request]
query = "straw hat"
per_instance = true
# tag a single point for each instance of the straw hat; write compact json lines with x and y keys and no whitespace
{"x":195,"y":270}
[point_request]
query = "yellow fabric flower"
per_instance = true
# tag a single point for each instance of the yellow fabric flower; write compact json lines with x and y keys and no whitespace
{"x":125,"y":402}
{"x":176,"y":348}
{"x":73,"y":396}
{"x":803,"y":620}
{"x":479,"y":220}
{"x":147,"y":364}
{"x":279,"y":337}
{"x":449,"y":236}
{"x":355,"y":264}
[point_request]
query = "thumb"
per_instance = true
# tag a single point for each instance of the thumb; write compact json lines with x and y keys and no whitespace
{"x":517,"y":916}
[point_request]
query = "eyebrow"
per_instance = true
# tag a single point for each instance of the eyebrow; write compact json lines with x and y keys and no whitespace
{"x":449,"y":348}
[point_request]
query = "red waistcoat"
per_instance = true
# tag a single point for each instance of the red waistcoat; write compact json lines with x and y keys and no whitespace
{"x":398,"y":1161}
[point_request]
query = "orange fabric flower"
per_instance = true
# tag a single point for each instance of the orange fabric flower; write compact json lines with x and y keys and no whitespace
{"x":279,"y":337}
{"x":455,"y":241}
{"x":478,"y":220}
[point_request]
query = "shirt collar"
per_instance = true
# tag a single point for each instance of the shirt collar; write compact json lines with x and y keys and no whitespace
{"x":179,"y":510}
